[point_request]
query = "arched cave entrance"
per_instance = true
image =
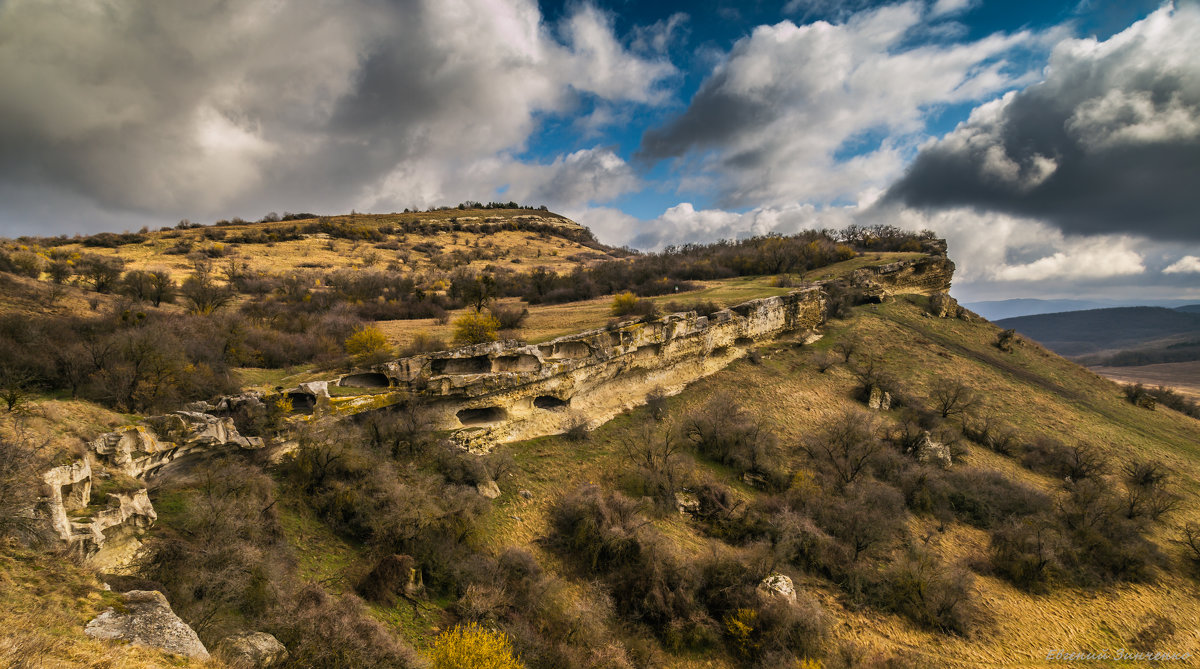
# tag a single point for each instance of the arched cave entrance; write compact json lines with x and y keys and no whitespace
{"x":550,"y":402}
{"x":365,"y":380}
{"x":481,"y":416}
{"x":302,"y":402}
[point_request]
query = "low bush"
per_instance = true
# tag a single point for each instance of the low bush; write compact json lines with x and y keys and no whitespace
{"x":472,"y":647}
{"x":628,"y":304}
{"x":722,"y":431}
{"x":327,"y":631}
{"x":475,"y":328}
{"x":509,"y":318}
{"x":1049,"y":456}
{"x":921,"y":588}
{"x":368,"y":345}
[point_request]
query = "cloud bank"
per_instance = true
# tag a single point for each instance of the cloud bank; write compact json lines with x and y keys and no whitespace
{"x":212,"y":108}
{"x":1108,"y":142}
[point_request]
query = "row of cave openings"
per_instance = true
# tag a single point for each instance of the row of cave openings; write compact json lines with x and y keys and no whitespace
{"x":484,"y":416}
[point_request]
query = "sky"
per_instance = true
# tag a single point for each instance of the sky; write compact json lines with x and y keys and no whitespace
{"x":1055,"y":145}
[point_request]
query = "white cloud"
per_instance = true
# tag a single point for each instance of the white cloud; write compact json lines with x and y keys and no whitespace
{"x":236,"y":108}
{"x":774,"y":121}
{"x":1091,"y":258}
{"x":1185,"y":265}
{"x":948,"y":7}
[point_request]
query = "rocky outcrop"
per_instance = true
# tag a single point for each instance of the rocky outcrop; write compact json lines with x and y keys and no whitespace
{"x":505,"y":391}
{"x":98,"y":506}
{"x":929,"y":450}
{"x":141,"y":451}
{"x":148,"y":621}
{"x":64,"y":489}
{"x":252,"y":650}
{"x":879,"y":399}
{"x":928,"y":275}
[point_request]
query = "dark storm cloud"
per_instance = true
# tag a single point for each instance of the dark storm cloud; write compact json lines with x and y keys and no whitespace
{"x":1109,"y":142}
{"x":714,"y":118}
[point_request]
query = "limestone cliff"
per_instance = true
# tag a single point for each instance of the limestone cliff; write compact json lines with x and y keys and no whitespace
{"x":505,"y":391}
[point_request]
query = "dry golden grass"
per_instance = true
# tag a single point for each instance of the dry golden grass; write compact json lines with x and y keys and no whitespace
{"x":44,"y":606}
{"x":547,"y":321}
{"x":516,"y":249}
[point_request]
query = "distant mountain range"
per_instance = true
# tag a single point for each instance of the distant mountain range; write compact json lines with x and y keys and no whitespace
{"x":994,"y":310}
{"x":1116,"y":336}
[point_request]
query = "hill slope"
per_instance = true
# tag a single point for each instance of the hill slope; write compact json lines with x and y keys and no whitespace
{"x":655,"y":538}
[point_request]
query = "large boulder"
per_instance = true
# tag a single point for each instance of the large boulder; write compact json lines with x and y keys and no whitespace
{"x":942,"y":305}
{"x":778,"y":585}
{"x":252,"y":650}
{"x":148,"y":621}
{"x":488,"y":489}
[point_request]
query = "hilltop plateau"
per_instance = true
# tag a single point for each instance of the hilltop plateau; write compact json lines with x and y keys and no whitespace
{"x":524,"y":448}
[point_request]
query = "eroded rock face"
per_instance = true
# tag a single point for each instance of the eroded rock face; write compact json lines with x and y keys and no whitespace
{"x":149,"y":621}
{"x":931,"y":274}
{"x":107,"y":531}
{"x":66,"y":488}
{"x":506,"y":391}
{"x":252,"y":650}
{"x":140,"y":451}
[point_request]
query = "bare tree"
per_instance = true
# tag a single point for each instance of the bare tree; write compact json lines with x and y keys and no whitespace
{"x":202,"y":292}
{"x":21,"y":459}
{"x":846,"y":347}
{"x":846,"y":446}
{"x":952,"y":397}
{"x":1147,"y":490}
{"x":658,"y":457}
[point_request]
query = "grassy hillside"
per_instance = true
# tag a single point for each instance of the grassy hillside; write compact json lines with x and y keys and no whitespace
{"x":1034,"y":391}
{"x":1038,"y":392}
{"x":642,"y":543}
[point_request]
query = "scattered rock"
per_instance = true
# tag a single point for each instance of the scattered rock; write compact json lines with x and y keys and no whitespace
{"x":941,"y":305}
{"x":778,"y":585}
{"x":879,"y":399}
{"x":488,"y":489}
{"x":928,"y":450}
{"x":754,"y":479}
{"x":525,"y":494}
{"x":687,"y":503}
{"x":252,"y":650}
{"x":316,"y":388}
{"x":149,"y":622}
